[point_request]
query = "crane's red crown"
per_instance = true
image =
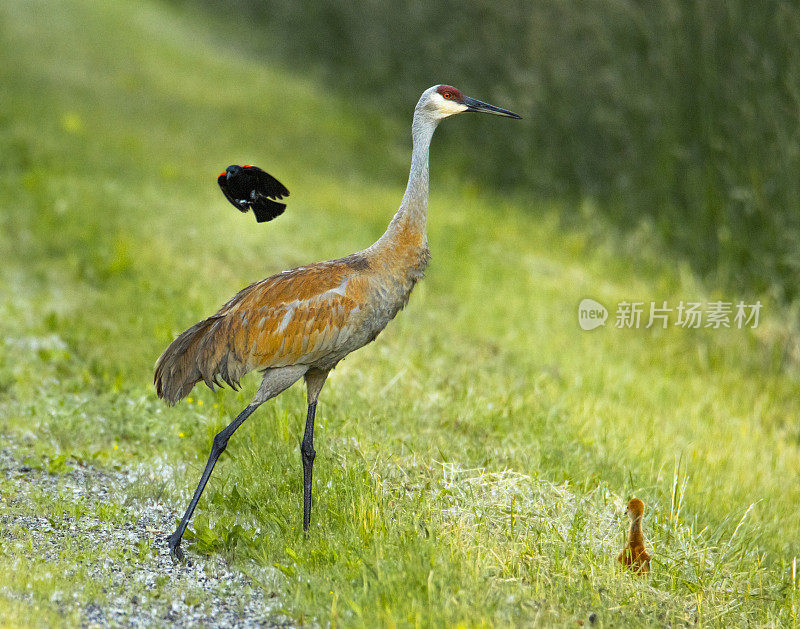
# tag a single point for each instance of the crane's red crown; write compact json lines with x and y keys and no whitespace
{"x":450,"y":93}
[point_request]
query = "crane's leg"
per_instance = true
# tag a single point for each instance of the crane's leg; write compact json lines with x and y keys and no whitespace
{"x":309,"y":454}
{"x":314,"y":381}
{"x":217,"y":448}
{"x":275,"y":381}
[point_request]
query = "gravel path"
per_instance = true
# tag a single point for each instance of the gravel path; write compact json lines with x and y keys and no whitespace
{"x":147,"y":590}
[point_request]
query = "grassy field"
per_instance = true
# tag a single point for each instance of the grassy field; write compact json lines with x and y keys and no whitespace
{"x":472,"y":465}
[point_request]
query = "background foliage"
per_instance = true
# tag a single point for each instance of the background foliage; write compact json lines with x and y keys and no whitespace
{"x":681,"y":115}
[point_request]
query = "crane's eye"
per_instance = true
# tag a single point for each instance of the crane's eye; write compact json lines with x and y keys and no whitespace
{"x":447,"y":95}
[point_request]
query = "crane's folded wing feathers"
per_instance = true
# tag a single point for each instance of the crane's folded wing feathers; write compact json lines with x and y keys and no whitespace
{"x":296,"y":317}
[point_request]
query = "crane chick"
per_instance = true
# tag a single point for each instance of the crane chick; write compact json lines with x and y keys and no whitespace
{"x":635,"y":555}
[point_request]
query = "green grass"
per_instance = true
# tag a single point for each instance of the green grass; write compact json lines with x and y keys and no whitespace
{"x":473,"y":463}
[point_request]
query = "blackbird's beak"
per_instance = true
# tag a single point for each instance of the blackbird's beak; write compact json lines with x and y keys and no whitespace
{"x":486,"y":108}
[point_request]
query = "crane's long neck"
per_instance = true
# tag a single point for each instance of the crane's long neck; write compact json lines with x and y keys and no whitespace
{"x":409,"y":225}
{"x":635,"y":534}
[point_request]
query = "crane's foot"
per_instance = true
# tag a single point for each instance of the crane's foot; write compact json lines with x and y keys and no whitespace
{"x":175,"y":551}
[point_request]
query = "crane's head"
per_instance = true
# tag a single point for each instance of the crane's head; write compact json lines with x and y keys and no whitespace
{"x":440,"y":101}
{"x":635,"y":508}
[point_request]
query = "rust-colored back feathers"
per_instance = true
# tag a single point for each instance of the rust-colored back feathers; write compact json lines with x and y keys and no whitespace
{"x":311,"y":315}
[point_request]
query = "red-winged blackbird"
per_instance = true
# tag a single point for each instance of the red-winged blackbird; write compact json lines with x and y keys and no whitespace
{"x":249,"y":187}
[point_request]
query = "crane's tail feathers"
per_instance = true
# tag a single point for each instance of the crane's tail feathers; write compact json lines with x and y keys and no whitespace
{"x":201,"y":353}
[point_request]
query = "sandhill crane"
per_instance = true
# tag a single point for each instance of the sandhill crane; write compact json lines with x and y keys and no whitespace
{"x":301,"y":323}
{"x":635,"y":555}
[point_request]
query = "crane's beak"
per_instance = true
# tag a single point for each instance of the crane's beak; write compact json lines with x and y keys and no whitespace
{"x":486,"y":108}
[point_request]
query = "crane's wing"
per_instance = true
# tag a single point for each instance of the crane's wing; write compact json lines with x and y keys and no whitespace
{"x":296,"y":317}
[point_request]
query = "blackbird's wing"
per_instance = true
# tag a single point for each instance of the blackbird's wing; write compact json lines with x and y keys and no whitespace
{"x":266,"y":184}
{"x":266,"y":191}
{"x":223,"y":184}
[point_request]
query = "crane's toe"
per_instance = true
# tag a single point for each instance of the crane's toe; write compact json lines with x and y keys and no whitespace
{"x":175,"y":552}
